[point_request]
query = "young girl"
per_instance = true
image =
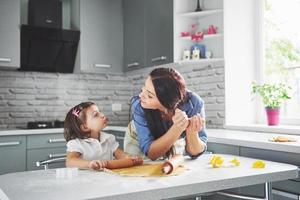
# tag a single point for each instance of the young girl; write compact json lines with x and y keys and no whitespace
{"x":87,"y":146}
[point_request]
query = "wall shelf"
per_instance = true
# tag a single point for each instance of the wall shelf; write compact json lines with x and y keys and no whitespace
{"x":201,"y":13}
{"x":206,"y":37}
{"x":200,"y":61}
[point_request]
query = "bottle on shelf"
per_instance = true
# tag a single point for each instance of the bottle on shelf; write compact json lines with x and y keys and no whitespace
{"x":196,"y":54}
{"x":186,"y":54}
{"x":201,"y":48}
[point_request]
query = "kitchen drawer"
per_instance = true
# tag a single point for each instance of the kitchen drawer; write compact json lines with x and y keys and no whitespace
{"x":288,"y":186}
{"x":223,"y":148}
{"x":12,"y":154}
{"x":34,"y":155}
{"x":45,"y":141}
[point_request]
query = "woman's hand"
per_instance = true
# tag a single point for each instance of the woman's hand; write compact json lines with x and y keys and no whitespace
{"x":180,"y":119}
{"x":97,"y":164}
{"x":196,"y":124}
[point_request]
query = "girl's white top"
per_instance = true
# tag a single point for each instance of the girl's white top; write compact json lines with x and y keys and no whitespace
{"x":93,"y":149}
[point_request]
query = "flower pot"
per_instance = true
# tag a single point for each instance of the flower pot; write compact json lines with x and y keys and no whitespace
{"x":273,"y":116}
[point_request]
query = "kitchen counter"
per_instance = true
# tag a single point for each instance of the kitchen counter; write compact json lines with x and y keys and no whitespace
{"x":222,"y":136}
{"x":199,"y":178}
{"x":253,"y":140}
{"x":48,"y":131}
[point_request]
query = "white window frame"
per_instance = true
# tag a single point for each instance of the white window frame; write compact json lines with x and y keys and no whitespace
{"x":260,"y":116}
{"x":243,"y":60}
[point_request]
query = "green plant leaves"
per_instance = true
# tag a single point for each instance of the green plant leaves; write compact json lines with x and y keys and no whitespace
{"x":272,"y":94}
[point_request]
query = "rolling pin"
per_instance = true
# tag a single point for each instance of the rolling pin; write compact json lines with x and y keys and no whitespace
{"x":170,"y":165}
{"x":123,"y":163}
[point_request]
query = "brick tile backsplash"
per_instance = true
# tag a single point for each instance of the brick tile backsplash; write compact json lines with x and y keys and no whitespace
{"x":36,"y":96}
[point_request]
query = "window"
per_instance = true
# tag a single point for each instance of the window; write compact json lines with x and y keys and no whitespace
{"x":281,"y":52}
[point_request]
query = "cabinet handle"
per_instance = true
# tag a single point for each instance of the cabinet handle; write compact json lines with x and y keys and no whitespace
{"x":102,"y":65}
{"x":8,"y":60}
{"x":285,"y":194}
{"x":48,"y":20}
{"x":3,"y":144}
{"x":56,"y":140}
{"x":119,"y":137}
{"x":133,"y":64}
{"x":159,"y":58}
{"x":57,"y":155}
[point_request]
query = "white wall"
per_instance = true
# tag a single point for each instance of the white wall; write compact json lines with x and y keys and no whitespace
{"x":240,"y":49}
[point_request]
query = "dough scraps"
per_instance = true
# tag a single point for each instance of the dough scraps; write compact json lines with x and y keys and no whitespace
{"x":282,"y":139}
{"x":146,"y":170}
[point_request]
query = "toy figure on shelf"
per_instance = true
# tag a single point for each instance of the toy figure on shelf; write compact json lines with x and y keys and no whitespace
{"x":212,"y":29}
{"x":198,"y":36}
{"x":193,"y":28}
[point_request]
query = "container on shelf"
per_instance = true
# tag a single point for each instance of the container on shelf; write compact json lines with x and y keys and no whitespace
{"x":201,"y":48}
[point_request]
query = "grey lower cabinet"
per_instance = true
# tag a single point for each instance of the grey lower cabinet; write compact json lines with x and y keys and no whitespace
{"x":148,"y":33}
{"x":282,"y":190}
{"x":10,"y":33}
{"x":222,"y":148}
{"x":12,"y":154}
{"x":289,"y":189}
{"x":46,"y":146}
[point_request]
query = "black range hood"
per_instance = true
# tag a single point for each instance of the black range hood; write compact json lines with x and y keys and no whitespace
{"x":45,"y":46}
{"x":48,"y":49}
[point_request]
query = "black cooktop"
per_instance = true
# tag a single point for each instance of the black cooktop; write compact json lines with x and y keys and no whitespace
{"x":45,"y":124}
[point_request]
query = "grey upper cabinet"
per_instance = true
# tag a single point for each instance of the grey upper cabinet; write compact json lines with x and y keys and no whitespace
{"x":101,"y":38}
{"x":10,"y":33}
{"x":148,"y":33}
{"x":159,"y":31}
{"x":134,"y":32}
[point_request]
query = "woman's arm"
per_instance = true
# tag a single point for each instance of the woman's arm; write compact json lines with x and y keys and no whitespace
{"x":160,"y":146}
{"x":194,"y":145}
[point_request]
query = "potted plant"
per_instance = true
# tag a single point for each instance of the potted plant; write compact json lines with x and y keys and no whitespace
{"x":273,"y":96}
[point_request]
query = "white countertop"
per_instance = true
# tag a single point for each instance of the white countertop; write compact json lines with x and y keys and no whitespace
{"x":48,"y":131}
{"x":200,"y":178}
{"x":253,"y":140}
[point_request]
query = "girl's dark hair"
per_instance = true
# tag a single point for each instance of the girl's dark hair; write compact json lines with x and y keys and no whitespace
{"x":74,"y":118}
{"x":170,"y":90}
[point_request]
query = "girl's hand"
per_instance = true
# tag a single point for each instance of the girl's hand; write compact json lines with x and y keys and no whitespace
{"x":180,"y":119}
{"x":196,"y":124}
{"x":137,"y":160}
{"x":97,"y":164}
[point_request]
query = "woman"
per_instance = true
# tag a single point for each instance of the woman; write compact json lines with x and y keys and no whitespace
{"x":167,"y":119}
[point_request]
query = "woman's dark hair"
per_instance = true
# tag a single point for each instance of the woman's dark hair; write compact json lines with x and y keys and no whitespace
{"x":74,"y":118}
{"x":170,"y":90}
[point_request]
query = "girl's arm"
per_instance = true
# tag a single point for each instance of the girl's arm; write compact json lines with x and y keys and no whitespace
{"x":119,"y":154}
{"x":160,"y":146}
{"x":74,"y":160}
